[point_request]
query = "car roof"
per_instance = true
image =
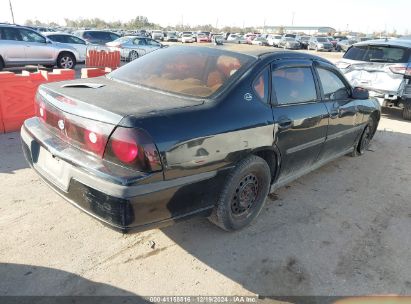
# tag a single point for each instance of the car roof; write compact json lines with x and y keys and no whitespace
{"x":394,"y":42}
{"x":264,"y":54}
{"x":57,"y":33}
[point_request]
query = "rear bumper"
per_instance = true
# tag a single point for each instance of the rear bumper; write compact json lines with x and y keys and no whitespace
{"x":124,"y":206}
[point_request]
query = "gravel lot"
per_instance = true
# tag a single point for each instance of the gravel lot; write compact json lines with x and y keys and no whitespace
{"x":341,"y":230}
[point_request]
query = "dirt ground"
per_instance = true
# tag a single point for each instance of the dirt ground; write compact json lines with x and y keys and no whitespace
{"x":341,"y":230}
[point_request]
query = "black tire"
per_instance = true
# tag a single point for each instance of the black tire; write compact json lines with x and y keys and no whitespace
{"x":406,"y":112}
{"x":243,"y":194}
{"x":1,"y":64}
{"x":133,"y":56}
{"x":364,"y":142}
{"x":66,"y":61}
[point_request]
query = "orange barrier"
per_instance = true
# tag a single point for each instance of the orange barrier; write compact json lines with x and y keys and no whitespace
{"x":103,"y":59}
{"x":17,"y":95}
{"x":94,"y":72}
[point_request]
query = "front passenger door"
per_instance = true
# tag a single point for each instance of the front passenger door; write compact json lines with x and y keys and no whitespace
{"x":344,"y":126}
{"x":37,"y":48}
{"x":300,"y":118}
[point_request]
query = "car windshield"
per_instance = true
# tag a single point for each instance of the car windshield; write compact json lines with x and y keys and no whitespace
{"x":289,"y":39}
{"x":196,"y":72}
{"x":378,"y":53}
{"x":305,"y":38}
{"x":322,"y":40}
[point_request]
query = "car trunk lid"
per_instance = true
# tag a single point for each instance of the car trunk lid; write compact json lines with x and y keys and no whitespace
{"x":109,"y":101}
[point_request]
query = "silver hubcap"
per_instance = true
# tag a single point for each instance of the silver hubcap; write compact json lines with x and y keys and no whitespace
{"x":66,"y":62}
{"x":133,"y":55}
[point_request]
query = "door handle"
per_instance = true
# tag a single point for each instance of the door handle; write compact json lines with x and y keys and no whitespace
{"x":285,"y":124}
{"x":335,"y":113}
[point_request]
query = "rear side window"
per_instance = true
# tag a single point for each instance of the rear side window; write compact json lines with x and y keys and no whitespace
{"x":58,"y":38}
{"x":260,"y":85}
{"x":333,"y":87}
{"x":378,"y":53}
{"x":10,"y":34}
{"x":294,"y":85}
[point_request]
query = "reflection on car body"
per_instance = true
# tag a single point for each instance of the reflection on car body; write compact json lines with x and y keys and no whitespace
{"x":189,"y":131}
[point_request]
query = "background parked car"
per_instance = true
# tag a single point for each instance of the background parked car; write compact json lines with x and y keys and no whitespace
{"x":132,"y":47}
{"x":171,"y":36}
{"x":273,"y":40}
{"x":20,"y":46}
{"x":259,"y":41}
{"x":384,"y":68}
{"x":157,"y":35}
{"x":96,"y":37}
{"x":303,"y":40}
{"x":344,"y":45}
{"x":202,"y":37}
{"x":75,"y":42}
{"x":187,"y":38}
{"x":234,"y":38}
{"x":320,"y":44}
{"x":289,"y":43}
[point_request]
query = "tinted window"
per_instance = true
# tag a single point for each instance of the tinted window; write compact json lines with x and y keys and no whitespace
{"x":375,"y":53}
{"x":31,"y":36}
{"x":260,"y":85}
{"x":75,"y":40}
{"x":188,"y":71}
{"x":57,"y":38}
{"x":332,"y":85}
{"x":152,"y":42}
{"x":293,"y":85}
{"x":139,"y":41}
{"x":10,"y":34}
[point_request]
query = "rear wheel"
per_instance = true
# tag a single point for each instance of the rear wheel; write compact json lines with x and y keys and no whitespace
{"x":406,"y":111}
{"x":66,"y":61}
{"x":132,"y":56}
{"x":243,"y":195}
{"x":365,"y":139}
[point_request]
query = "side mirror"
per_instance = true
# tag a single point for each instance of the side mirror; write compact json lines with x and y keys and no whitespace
{"x":48,"y":41}
{"x":360,"y":93}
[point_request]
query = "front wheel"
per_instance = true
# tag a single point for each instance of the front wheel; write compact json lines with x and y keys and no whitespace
{"x":132,"y":56}
{"x":406,"y":111}
{"x":1,"y":64}
{"x":66,"y":61}
{"x":365,"y":139}
{"x":243,"y":194}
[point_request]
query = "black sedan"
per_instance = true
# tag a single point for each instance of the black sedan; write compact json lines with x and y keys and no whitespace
{"x":186,"y":131}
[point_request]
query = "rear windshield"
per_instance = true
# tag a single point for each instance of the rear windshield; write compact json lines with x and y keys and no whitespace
{"x":322,"y":40}
{"x":197,"y":72}
{"x":378,"y":53}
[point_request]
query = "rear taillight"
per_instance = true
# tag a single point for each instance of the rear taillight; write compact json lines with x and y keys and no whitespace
{"x":132,"y":148}
{"x":86,"y":134}
{"x":401,"y":70}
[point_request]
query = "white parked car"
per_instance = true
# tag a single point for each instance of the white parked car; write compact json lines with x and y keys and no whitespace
{"x":187,"y":38}
{"x":75,"y":42}
{"x":132,"y":47}
{"x":157,"y":35}
{"x":274,"y":40}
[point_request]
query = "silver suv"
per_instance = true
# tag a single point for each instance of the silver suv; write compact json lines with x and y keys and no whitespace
{"x":384,"y":68}
{"x":20,"y":46}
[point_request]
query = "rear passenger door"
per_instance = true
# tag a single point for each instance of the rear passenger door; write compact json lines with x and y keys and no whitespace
{"x":300,"y":118}
{"x":344,"y":125}
{"x":13,"y":47}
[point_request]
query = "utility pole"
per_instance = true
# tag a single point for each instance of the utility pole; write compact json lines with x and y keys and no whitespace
{"x":11,"y":10}
{"x":292,"y":19}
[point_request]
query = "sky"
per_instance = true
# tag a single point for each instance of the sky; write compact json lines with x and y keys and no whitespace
{"x":355,"y":15}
